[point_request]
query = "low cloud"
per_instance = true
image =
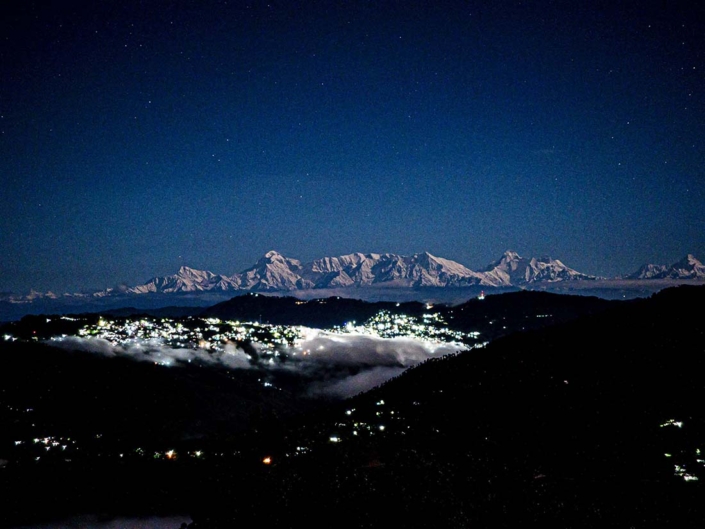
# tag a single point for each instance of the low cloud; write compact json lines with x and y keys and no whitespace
{"x":155,"y":352}
{"x":350,"y":385}
{"x":343,"y":365}
{"x":366,"y":350}
{"x":336,"y":365}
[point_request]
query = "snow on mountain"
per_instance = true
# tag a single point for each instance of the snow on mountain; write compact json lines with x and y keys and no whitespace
{"x":28,"y":298}
{"x":513,"y":270}
{"x":274,"y":272}
{"x":33,"y":294}
{"x":687,"y":268}
{"x":428,"y":270}
{"x":271,"y":273}
{"x":648,"y":271}
{"x":330,"y":272}
{"x":185,"y":280}
{"x":418,"y":270}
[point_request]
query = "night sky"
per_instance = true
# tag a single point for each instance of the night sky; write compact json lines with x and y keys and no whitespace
{"x":136,"y":137}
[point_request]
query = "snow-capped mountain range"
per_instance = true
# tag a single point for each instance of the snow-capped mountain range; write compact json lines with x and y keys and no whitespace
{"x":687,"y":268}
{"x":277,"y":273}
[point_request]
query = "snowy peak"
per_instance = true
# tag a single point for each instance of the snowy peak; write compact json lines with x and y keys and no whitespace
{"x":191,"y":273}
{"x":431,"y":262}
{"x":418,"y":270}
{"x":275,"y":257}
{"x":510,"y":256}
{"x":513,"y":270}
{"x":510,"y":261}
{"x":687,"y":268}
{"x":272,"y":272}
{"x":648,"y":271}
{"x":429,"y":270}
{"x":185,"y":280}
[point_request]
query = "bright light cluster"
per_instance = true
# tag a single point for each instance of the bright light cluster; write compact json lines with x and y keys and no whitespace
{"x":202,"y":333}
{"x":385,"y":421}
{"x":49,"y":448}
{"x":431,"y":327}
{"x":213,"y":334}
{"x":683,"y":456}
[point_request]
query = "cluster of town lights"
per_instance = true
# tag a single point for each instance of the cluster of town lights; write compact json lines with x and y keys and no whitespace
{"x":213,"y":334}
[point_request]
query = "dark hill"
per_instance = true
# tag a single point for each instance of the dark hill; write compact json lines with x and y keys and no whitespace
{"x":74,"y":393}
{"x":498,"y":315}
{"x":494,"y":316}
{"x":598,"y":386}
{"x":570,"y":426}
{"x":321,"y":313}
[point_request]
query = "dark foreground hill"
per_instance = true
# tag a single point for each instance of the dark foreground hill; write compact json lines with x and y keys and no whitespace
{"x":594,"y":423}
{"x":84,"y":433}
{"x":74,"y":393}
{"x":494,"y":316}
{"x":503,"y":314}
{"x":566,"y":426}
{"x":321,"y":313}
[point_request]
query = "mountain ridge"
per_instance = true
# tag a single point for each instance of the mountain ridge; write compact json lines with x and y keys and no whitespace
{"x":687,"y":268}
{"x":276,"y":273}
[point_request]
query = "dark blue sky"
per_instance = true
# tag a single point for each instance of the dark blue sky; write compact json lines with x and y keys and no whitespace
{"x":136,"y":137}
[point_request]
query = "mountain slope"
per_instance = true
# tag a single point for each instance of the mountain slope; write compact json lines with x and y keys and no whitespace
{"x":495,"y":316}
{"x":571,"y":426}
{"x":593,"y":423}
{"x":418,"y":270}
{"x":512,"y":269}
{"x":687,"y":268}
{"x":648,"y":271}
{"x":185,"y":280}
{"x":272,"y":272}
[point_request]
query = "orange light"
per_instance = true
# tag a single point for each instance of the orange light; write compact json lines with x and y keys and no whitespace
{"x":267,"y":460}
